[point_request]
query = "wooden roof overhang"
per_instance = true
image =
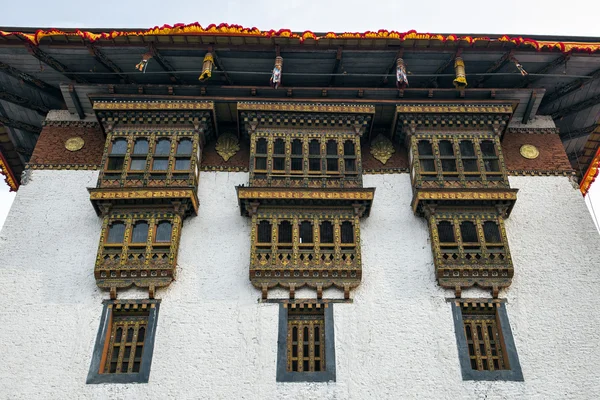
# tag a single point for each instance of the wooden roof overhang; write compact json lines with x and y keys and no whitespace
{"x":44,"y":69}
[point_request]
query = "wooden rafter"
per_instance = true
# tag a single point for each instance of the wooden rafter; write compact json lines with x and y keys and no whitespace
{"x":570,"y":87}
{"x":441,"y":68}
{"x":219,"y":65}
{"x":391,"y":68}
{"x":528,"y":80}
{"x":164,"y":64}
{"x":19,"y":125}
{"x":107,"y":62}
{"x":54,"y":63}
{"x":336,"y":66}
{"x":568,"y":135}
{"x":31,"y":81}
{"x":496,"y":66}
{"x":582,"y":105}
{"x":22,"y":101}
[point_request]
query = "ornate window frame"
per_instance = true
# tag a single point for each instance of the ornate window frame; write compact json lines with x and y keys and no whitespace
{"x":485,"y":176}
{"x":96,"y":373}
{"x":149,"y":176}
{"x":329,"y":372}
{"x":513,"y":367}
{"x":326,"y":176}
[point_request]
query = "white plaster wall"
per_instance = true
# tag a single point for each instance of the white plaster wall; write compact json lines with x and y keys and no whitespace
{"x":215,"y":340}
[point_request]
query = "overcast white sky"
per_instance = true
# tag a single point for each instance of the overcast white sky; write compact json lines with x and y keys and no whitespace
{"x":523,"y":17}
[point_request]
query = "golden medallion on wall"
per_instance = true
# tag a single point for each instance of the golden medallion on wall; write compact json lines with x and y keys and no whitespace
{"x":529,"y":151}
{"x":382,"y":149}
{"x":74,"y":144}
{"x":227,"y":145}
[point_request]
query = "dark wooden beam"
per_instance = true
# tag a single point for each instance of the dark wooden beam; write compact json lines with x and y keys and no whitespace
{"x":221,"y":67}
{"x":568,"y":135}
{"x":528,"y":80}
{"x":497,"y":65}
{"x":570,"y":88}
{"x":107,"y":62}
{"x":22,"y":101}
{"x":336,"y":66}
{"x":31,"y":81}
{"x":441,"y":68}
{"x":164,"y":64}
{"x":19,"y":125}
{"x":582,"y":105}
{"x":529,"y":108}
{"x":76,"y":102}
{"x":54,"y":63}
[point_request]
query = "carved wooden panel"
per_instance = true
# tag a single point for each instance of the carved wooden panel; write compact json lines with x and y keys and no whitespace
{"x":137,"y":248}
{"x":470,"y":248}
{"x":292,"y":248}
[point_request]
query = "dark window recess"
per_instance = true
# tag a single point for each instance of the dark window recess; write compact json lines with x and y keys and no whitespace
{"x":137,"y":163}
{"x":306,"y":232}
{"x":116,"y":232}
{"x":350,"y":165}
{"x":349,"y":149}
{"x":326,"y":232}
{"x":332,"y":165}
{"x":285,"y":232}
{"x":446,"y":148}
{"x":163,"y":232}
{"x":446,"y":232}
{"x":279,"y":146}
{"x":140,"y":232}
{"x":184,"y":147}
{"x":260,"y":163}
{"x":490,"y":158}
{"x":182,"y":164}
{"x":449,"y":165}
{"x":491,"y":232}
{"x":296,"y":147}
{"x":467,"y":149}
{"x":264,"y":232}
{"x":296,"y":164}
{"x":332,"y":149}
{"x":488,"y":149}
{"x":314,"y":164}
{"x":140,"y":152}
{"x":261,"y":146}
{"x":425,"y":148}
{"x":163,"y":147}
{"x":468,"y":232}
{"x":347,"y":232}
{"x":314,"y":148}
{"x":278,"y":164}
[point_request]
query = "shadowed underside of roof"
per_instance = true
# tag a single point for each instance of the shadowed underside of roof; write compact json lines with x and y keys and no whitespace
{"x":43,"y":69}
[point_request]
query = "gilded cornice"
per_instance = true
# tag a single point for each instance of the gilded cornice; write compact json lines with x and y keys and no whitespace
{"x":307,"y":107}
{"x":150,"y":105}
{"x":70,"y":167}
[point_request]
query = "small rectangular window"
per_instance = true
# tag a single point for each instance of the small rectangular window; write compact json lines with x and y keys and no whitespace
{"x":306,"y":349}
{"x":125,"y":342}
{"x":485,"y":342}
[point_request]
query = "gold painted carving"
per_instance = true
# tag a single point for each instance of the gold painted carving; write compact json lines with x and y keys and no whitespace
{"x":441,"y":108}
{"x":227,"y":145}
{"x":253,"y":193}
{"x":305,"y":107}
{"x":529,"y":151}
{"x":382,"y":149}
{"x":154,"y":105}
{"x":74,"y":144}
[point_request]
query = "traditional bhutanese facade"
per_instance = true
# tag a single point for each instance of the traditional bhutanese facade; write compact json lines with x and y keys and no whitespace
{"x":345,"y":237}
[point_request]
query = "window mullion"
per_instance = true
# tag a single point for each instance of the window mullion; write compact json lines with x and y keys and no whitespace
{"x":340,"y":156}
{"x":481,"y":236}
{"x":458,"y":237}
{"x":480,"y":162}
{"x":288,"y":157}
{"x":458,"y":157}
{"x":437,"y":159}
{"x":305,"y":156}
{"x":337,"y":240}
{"x":317,"y":239}
{"x":311,"y":346}
{"x":122,"y":346}
{"x":295,"y":239}
{"x":274,"y":241}
{"x":270,"y":140}
{"x":150,"y":239}
{"x":132,"y":347}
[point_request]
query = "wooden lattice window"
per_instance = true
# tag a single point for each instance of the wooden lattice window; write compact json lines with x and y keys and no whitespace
{"x":264,"y":232}
{"x":143,"y":158}
{"x":300,"y":156}
{"x":472,"y":236}
{"x":116,"y":155}
{"x":125,"y":342}
{"x":306,"y":340}
{"x":456,"y":157}
{"x":484,"y":338}
{"x":126,"y":345}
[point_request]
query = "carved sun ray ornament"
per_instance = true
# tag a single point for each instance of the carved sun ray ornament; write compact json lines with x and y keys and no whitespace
{"x":227,"y":145}
{"x":382,"y":148}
